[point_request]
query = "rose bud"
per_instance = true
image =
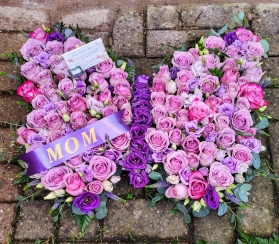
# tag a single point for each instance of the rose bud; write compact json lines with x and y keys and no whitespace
{"x":171,"y":87}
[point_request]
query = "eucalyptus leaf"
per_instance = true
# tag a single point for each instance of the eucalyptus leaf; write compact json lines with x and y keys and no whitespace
{"x":265,"y":55}
{"x":262,"y":124}
{"x":77,"y":211}
{"x":245,"y":187}
{"x":241,"y":15}
{"x":265,"y":44}
{"x":101,"y":214}
{"x":181,"y":208}
{"x":68,"y":32}
{"x":256,"y":161}
{"x":223,"y":30}
{"x":235,"y":19}
{"x":202,"y":213}
{"x":232,"y":218}
{"x":243,"y":196}
{"x":119,"y":62}
{"x":103,"y":205}
{"x":55,"y":218}
{"x":214,"y":32}
{"x":162,"y":190}
{"x":223,"y":208}
{"x":187,"y":218}
{"x":154,"y":175}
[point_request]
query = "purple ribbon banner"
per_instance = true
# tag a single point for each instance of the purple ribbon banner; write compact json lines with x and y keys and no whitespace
{"x":66,"y":147}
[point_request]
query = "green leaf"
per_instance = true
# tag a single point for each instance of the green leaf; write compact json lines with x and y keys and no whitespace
{"x":239,"y":241}
{"x":68,"y":32}
{"x":262,"y":124}
{"x":101,"y":213}
{"x":243,"y":196}
{"x":223,"y":30}
{"x":154,"y":175}
{"x":265,"y":44}
{"x":214,"y":32}
{"x":241,"y":15}
{"x":204,"y":211}
{"x":202,"y":242}
{"x":265,"y":55}
{"x":77,"y":211}
{"x":245,"y":187}
{"x":232,"y":218}
{"x":82,"y":221}
{"x":183,"y":47}
{"x":256,"y":161}
{"x":223,"y":208}
{"x":103,"y":205}
{"x":119,"y":62}
{"x":236,"y":19}
{"x":155,"y":199}
{"x":55,"y":218}
{"x":187,"y":218}
{"x":181,"y":208}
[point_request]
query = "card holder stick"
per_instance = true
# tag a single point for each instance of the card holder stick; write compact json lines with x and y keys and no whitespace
{"x":76,"y":72}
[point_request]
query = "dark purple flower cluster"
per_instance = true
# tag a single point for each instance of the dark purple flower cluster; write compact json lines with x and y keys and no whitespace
{"x":136,"y":161}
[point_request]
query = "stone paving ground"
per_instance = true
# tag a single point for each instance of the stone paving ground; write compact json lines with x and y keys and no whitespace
{"x":142,"y":33}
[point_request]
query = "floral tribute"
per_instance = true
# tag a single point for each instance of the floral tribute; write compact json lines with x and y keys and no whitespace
{"x":61,"y":104}
{"x":206,"y":112}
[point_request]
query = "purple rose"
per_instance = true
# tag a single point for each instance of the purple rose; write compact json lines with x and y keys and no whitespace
{"x":39,"y":101}
{"x":138,"y":179}
{"x":36,"y":119}
{"x":211,"y":198}
{"x":231,"y":163}
{"x":54,"y":121}
{"x":182,"y":60}
{"x":208,"y":83}
{"x":158,"y":156}
{"x":204,"y":171}
{"x":105,"y":68}
{"x":139,"y":146}
{"x":221,"y":91}
{"x":66,"y":86}
{"x":211,"y":137}
{"x":253,"y":144}
{"x":142,"y":79}
{"x":71,"y":43}
{"x":87,"y":201}
{"x":55,"y":36}
{"x":49,"y":107}
{"x":214,"y":42}
{"x":220,"y":175}
{"x":185,"y":175}
{"x":134,"y":161}
{"x":138,"y":131}
{"x":230,"y":38}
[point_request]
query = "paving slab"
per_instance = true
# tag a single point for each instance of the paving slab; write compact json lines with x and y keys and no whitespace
{"x":272,"y":96}
{"x":210,"y":15}
{"x":7,"y":84}
{"x":34,"y":221}
{"x":123,"y":188}
{"x":162,"y":17}
{"x":273,"y":140}
{"x":7,"y":137}
{"x":93,"y":35}
{"x":128,"y":34}
{"x":144,"y":65}
{"x":266,"y":24}
{"x":135,"y":219}
{"x":271,"y":67}
{"x":7,"y":214}
{"x":260,"y":219}
{"x":214,"y":228}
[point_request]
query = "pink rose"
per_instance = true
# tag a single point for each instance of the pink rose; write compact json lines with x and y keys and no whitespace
{"x":230,"y":75}
{"x":243,"y":34}
{"x":207,"y":129}
{"x":190,"y":144}
{"x":54,"y":47}
{"x":157,"y":98}
{"x":27,"y":91}
{"x":233,"y":52}
{"x":175,"y":136}
{"x":39,"y":34}
{"x":117,"y":75}
{"x":104,"y":96}
{"x":53,"y":95}
{"x":105,"y":68}
{"x":242,"y":154}
{"x":31,"y":48}
{"x":122,"y":90}
{"x":53,"y":61}
{"x":36,"y":119}
{"x":127,"y":117}
{"x":66,"y":86}
{"x":157,"y":140}
{"x":221,"y":121}
{"x":225,"y":138}
{"x":193,"y":160}
{"x":54,"y":121}
{"x":220,"y":175}
{"x":61,"y":108}
{"x":99,"y":79}
{"x":72,"y":43}
{"x":78,"y":120}
{"x":181,"y":118}
{"x":242,"y":80}
{"x":194,"y":52}
{"x":210,"y":61}
{"x":30,"y":70}
{"x":121,"y":143}
{"x":165,"y":123}
{"x":208,"y":83}
{"x":254,"y":74}
{"x":102,"y":167}
{"x":74,"y":184}
{"x":199,"y":110}
{"x":46,"y":87}
{"x":75,"y":162}
{"x":208,"y":152}
{"x":182,"y":91}
{"x":53,"y":179}
{"x":108,"y":110}
{"x":254,"y":94}
{"x":242,"y":102}
{"x":53,"y":135}
{"x":175,"y":161}
{"x":233,"y":89}
{"x":24,"y":135}
{"x":241,"y":120}
{"x":44,"y":76}
{"x":229,"y":64}
{"x":159,"y":84}
{"x":164,"y":71}
{"x":178,"y":191}
{"x":213,"y":102}
{"x":95,"y":186}
{"x":197,"y":185}
{"x":213,"y":42}
{"x":182,"y":60}
{"x":119,"y":101}
{"x":253,"y":50}
{"x":184,"y":77}
{"x":158,"y":112}
{"x":173,"y":103}
{"x":227,"y":98}
{"x":76,"y":103}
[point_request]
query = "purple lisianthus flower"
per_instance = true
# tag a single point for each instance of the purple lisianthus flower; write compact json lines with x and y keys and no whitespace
{"x":192,"y":128}
{"x":87,"y":155}
{"x":173,"y":72}
{"x":230,"y":38}
{"x":142,"y":117}
{"x":139,"y":146}
{"x":204,"y":171}
{"x":55,"y":36}
{"x":142,"y":105}
{"x":148,"y":169}
{"x":138,"y":179}
{"x":226,"y":109}
{"x":211,"y":197}
{"x":193,"y":84}
{"x":34,"y":139}
{"x":67,"y":130}
{"x":90,"y":70}
{"x":253,"y":144}
{"x":221,"y":91}
{"x":86,"y":172}
{"x":138,"y":86}
{"x":240,"y":45}
{"x":211,"y":137}
{"x":87,"y":201}
{"x":42,"y":59}
{"x":80,"y":87}
{"x":185,"y":175}
{"x":113,"y":155}
{"x":137,"y":131}
{"x":134,"y":161}
{"x":158,"y":157}
{"x":49,"y":106}
{"x":231,"y":163}
{"x":142,"y":79}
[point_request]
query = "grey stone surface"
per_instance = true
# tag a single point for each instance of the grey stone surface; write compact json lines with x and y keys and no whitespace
{"x":135,"y":219}
{"x":266,"y":24}
{"x":93,"y":35}
{"x":143,"y":65}
{"x":9,"y":110}
{"x":8,"y":174}
{"x":7,"y":214}
{"x":214,"y":228}
{"x":34,"y":221}
{"x":8,"y":84}
{"x":158,"y":42}
{"x":272,"y":96}
{"x":162,"y":17}
{"x":210,"y":15}
{"x":271,"y":67}
{"x":259,"y":217}
{"x":6,"y":137}
{"x":123,"y":188}
{"x":273,"y":140}
{"x":14,"y":18}
{"x":68,"y":229}
{"x":128,"y":36}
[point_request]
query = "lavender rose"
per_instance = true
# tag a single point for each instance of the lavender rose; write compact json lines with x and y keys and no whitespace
{"x":242,"y":154}
{"x":36,"y":119}
{"x":184,"y":175}
{"x":182,"y":60}
{"x":190,"y":144}
{"x":31,"y":48}
{"x":105,"y":68}
{"x":54,"y":47}
{"x":103,"y":168}
{"x":95,"y":187}
{"x":225,"y":138}
{"x":121,"y":143}
{"x":208,"y":151}
{"x":157,"y":140}
{"x":175,"y":161}
{"x":231,"y":163}
{"x":213,"y":42}
{"x":241,"y":120}
{"x":78,"y":120}
{"x":72,"y":43}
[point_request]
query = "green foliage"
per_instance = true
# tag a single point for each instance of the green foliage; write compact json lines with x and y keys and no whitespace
{"x":28,"y":106}
{"x":204,"y":211}
{"x":223,"y":208}
{"x":81,"y":35}
{"x":241,"y":192}
{"x":102,"y":210}
{"x":112,"y":54}
{"x":256,"y":161}
{"x":82,"y":221}
{"x":158,"y":197}
{"x":164,"y":61}
{"x":217,"y":72}
{"x":183,"y":47}
{"x":220,"y":32}
{"x":247,"y":239}
{"x":155,"y":175}
{"x":14,"y":58}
